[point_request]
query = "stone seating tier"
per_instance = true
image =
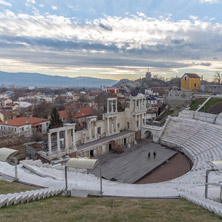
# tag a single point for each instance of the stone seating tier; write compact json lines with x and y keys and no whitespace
{"x":28,"y":196}
{"x":200,"y":141}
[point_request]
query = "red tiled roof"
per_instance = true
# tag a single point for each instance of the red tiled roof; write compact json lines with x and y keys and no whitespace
{"x":192,"y":75}
{"x":63,"y":114}
{"x":82,"y":112}
{"x":86,"y":111}
{"x":21,"y":121}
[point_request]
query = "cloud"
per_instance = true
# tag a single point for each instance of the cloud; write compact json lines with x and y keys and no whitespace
{"x":137,"y":40}
{"x":2,"y":2}
{"x":105,"y":27}
{"x":54,"y":7}
{"x":31,"y":1}
{"x":210,"y":1}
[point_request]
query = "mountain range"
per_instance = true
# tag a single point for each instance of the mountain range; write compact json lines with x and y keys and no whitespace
{"x":42,"y":80}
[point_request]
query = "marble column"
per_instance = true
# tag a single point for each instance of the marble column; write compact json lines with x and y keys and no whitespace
{"x":107,"y":126}
{"x":66,"y":140}
{"x":58,"y":142}
{"x":107,"y":106}
{"x":73,"y":139}
{"x":116,"y":106}
{"x":49,"y":143}
{"x":117,"y":130}
{"x":95,"y":131}
{"x":112,"y":127}
{"x":90,"y":131}
{"x":134,"y":105}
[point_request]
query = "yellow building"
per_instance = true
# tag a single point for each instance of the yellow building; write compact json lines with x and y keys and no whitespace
{"x":190,"y":81}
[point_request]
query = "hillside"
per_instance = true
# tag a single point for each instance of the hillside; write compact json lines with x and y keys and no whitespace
{"x":42,"y":80}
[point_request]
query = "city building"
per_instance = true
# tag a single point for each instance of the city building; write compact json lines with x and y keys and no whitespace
{"x":115,"y":130}
{"x":190,"y":81}
{"x":24,"y":126}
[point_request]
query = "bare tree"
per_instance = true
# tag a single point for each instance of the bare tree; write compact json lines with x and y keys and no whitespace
{"x":43,"y":110}
{"x":218,"y":77}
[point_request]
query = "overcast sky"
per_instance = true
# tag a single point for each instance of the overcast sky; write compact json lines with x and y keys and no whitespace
{"x":111,"y":38}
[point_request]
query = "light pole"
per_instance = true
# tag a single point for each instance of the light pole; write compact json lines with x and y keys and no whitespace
{"x":16,"y":169}
{"x":66,"y":181}
{"x":101,"y":184}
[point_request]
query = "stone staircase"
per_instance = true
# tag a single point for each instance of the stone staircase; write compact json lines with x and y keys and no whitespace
{"x":28,"y":196}
{"x":210,"y":205}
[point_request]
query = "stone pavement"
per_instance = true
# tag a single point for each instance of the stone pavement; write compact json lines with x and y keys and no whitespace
{"x":134,"y":163}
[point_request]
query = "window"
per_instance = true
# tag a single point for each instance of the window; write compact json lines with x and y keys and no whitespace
{"x":99,"y":130}
{"x":124,"y":141}
{"x":118,"y":125}
{"x":137,"y":123}
{"x":185,"y":78}
{"x":128,"y":125}
{"x":91,"y":153}
{"x":195,"y":85}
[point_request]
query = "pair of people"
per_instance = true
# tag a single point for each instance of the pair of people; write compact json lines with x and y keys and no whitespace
{"x":154,"y":155}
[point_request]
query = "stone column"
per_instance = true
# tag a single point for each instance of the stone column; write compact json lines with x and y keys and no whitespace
{"x":66,"y":140}
{"x":107,"y":126}
{"x":103,"y":149}
{"x":95,"y":131}
{"x":73,"y":139}
{"x":107,"y":106}
{"x":58,"y":142}
{"x":117,"y":130}
{"x":112,"y":127}
{"x":49,"y":143}
{"x":90,"y":131}
{"x":112,"y":106}
{"x":134,"y":105}
{"x":116,"y":106}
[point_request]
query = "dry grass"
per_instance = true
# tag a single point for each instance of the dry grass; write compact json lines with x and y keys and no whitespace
{"x":106,"y":209}
{"x":58,"y":209}
{"x":6,"y":187}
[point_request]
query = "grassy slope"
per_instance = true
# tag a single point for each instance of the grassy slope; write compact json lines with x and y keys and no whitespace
{"x":195,"y":103}
{"x":210,"y":103}
{"x":107,"y":209}
{"x":6,"y":187}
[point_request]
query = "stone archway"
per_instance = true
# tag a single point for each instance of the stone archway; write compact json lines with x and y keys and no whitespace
{"x":148,"y":135}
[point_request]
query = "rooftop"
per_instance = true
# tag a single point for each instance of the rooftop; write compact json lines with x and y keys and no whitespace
{"x":81,"y":112}
{"x":192,"y":75}
{"x":21,"y":121}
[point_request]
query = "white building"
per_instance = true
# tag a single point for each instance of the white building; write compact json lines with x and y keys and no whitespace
{"x":24,"y":126}
{"x":115,"y":130}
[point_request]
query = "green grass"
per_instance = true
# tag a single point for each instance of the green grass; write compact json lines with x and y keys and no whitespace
{"x":67,"y":209}
{"x":60,"y":208}
{"x":7,"y":187}
{"x":195,"y":103}
{"x":212,"y":102}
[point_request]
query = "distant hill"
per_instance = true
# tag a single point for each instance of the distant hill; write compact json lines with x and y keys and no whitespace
{"x":122,"y":81}
{"x":42,"y":80}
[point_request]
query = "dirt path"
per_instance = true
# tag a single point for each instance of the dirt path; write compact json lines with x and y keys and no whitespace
{"x":177,"y":166}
